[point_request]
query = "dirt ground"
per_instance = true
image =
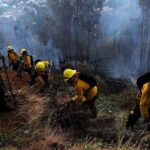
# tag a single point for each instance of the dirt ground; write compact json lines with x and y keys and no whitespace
{"x":29,"y":126}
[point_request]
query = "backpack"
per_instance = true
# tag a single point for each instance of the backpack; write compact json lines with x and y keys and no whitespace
{"x":142,"y":80}
{"x":88,"y":79}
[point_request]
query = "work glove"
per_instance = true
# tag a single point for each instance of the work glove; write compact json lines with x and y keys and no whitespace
{"x":74,"y":98}
{"x":84,"y":99}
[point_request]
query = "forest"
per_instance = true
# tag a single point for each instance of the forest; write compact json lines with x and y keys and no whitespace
{"x":106,"y":39}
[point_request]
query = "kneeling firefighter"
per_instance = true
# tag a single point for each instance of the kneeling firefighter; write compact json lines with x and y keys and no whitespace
{"x":13,"y":58}
{"x":42,"y":69}
{"x":86,"y":89}
{"x":142,"y":108}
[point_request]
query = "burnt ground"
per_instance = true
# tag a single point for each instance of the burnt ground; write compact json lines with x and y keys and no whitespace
{"x":32,"y":125}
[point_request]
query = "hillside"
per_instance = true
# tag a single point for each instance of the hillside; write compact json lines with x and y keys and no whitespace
{"x":32,"y":125}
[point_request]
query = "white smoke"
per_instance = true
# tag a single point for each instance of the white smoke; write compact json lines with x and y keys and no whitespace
{"x":120,"y":15}
{"x":21,"y":25}
{"x":120,"y":24}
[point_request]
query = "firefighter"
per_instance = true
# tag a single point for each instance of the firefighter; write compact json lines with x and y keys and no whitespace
{"x":27,"y":61}
{"x":142,"y":108}
{"x":86,"y":89}
{"x":41,"y":70}
{"x":13,"y":58}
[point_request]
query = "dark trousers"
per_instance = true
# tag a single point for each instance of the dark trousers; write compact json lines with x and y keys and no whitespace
{"x":16,"y":65}
{"x":92,"y":107}
{"x":90,"y":104}
{"x":29,"y":71}
{"x":35,"y":75}
{"x":134,"y":117}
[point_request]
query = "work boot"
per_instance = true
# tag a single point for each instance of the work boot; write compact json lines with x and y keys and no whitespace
{"x":93,"y":111}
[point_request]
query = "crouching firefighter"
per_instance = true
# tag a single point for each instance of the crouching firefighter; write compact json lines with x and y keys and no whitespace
{"x":41,"y":70}
{"x":86,"y":89}
{"x":13,"y":58}
{"x":142,"y":108}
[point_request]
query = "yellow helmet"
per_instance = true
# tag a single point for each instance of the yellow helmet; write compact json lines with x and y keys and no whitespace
{"x":69,"y":73}
{"x":9,"y":47}
{"x":40,"y":66}
{"x":23,"y":50}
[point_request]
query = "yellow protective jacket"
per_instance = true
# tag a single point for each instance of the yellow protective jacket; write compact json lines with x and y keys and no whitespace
{"x":27,"y":62}
{"x":145,"y":100}
{"x":13,"y":57}
{"x":83,"y":92}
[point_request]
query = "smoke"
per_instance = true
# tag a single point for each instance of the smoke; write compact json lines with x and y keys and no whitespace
{"x":42,"y":30}
{"x":27,"y":24}
{"x":120,"y":15}
{"x":120,"y":25}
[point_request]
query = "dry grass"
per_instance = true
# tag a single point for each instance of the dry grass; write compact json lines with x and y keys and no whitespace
{"x":125,"y":99}
{"x":50,"y":140}
{"x":24,"y":129}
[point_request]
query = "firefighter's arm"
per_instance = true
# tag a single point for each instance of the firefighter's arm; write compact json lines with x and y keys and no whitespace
{"x":79,"y":95}
{"x":28,"y":61}
{"x":144,"y":107}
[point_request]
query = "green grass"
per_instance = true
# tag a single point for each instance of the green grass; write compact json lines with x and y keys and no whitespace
{"x":104,"y":102}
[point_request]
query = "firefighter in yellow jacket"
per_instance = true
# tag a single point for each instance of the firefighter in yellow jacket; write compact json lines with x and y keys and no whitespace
{"x":142,"y":108}
{"x":86,"y":89}
{"x":41,"y":69}
{"x":27,"y":61}
{"x":13,"y":57}
{"x":145,"y":102}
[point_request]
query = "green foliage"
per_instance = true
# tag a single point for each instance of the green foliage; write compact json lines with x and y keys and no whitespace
{"x":105,"y":103}
{"x":13,"y":139}
{"x":125,"y":99}
{"x":101,"y":84}
{"x":3,"y":139}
